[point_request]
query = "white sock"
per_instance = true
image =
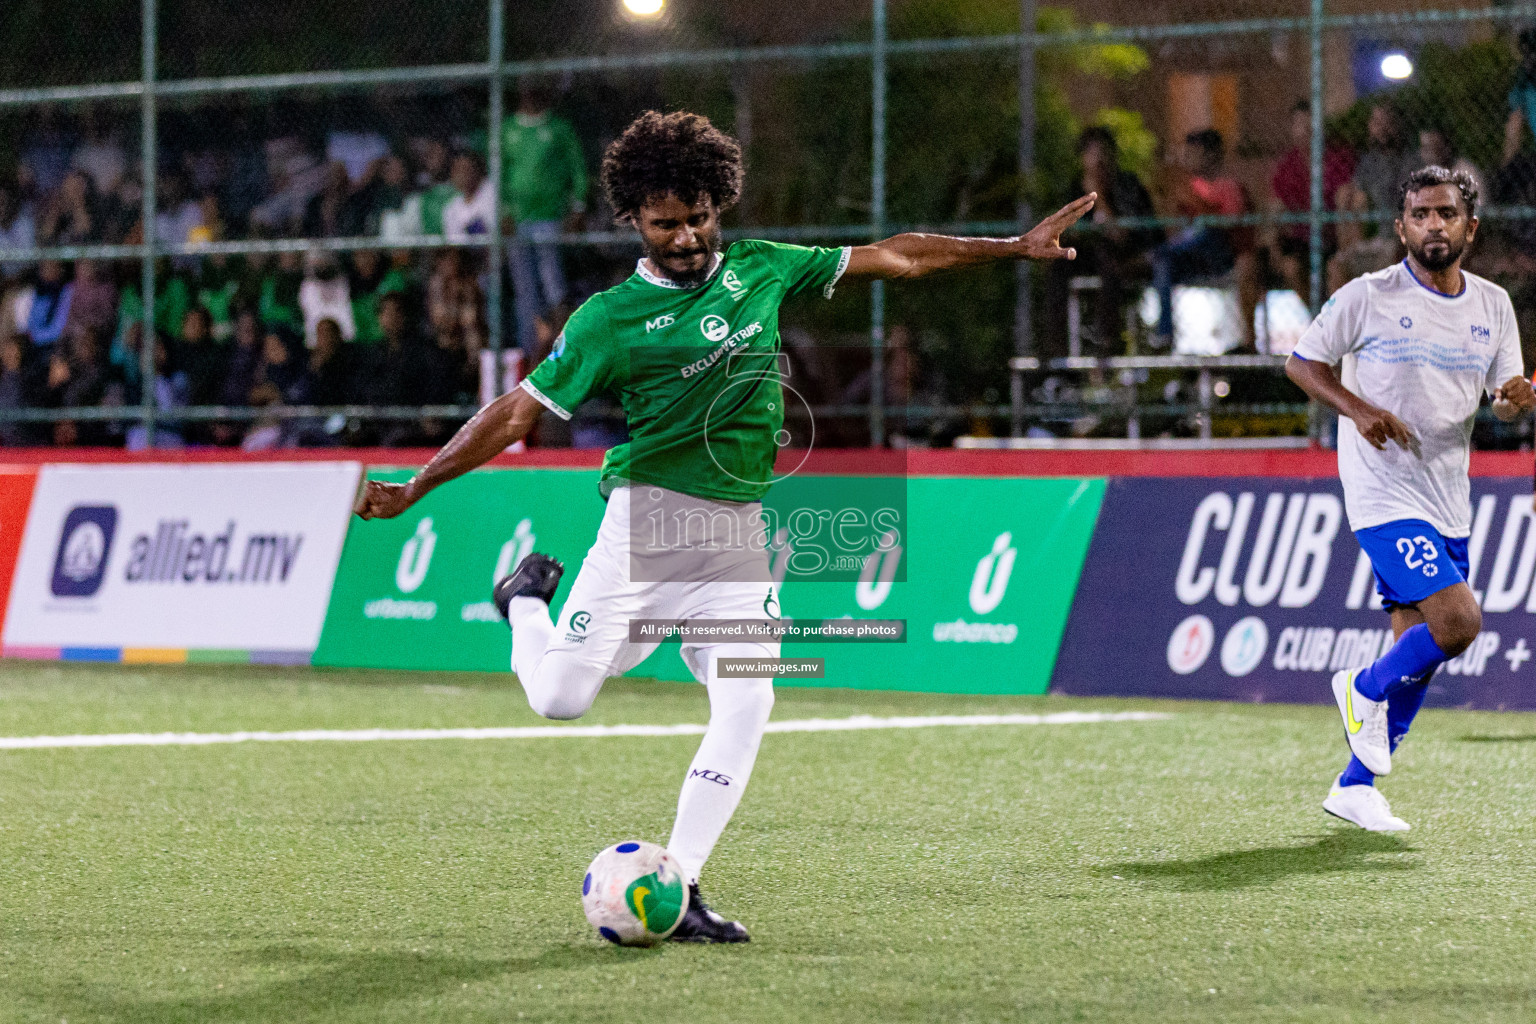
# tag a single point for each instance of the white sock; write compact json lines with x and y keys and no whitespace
{"x":738,"y":713}
{"x":531,"y":632}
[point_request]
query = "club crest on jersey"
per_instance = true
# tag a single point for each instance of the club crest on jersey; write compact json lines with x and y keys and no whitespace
{"x":733,"y":285}
{"x":714,"y":327}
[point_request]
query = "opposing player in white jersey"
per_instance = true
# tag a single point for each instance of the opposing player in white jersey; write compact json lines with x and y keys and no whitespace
{"x":1420,"y":343}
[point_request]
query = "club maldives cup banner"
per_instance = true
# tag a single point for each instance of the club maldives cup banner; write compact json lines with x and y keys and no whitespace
{"x":981,"y":571}
{"x":228,"y":558}
{"x":1255,"y":589}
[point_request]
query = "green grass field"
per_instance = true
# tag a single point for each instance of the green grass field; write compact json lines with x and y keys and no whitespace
{"x":1172,"y":870}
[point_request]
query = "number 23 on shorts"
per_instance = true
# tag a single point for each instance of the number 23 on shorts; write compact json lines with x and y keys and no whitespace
{"x":1419,"y":552}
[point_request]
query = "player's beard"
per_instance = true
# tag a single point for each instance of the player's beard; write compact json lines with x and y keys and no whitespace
{"x":694,"y":278}
{"x":1438,"y":255}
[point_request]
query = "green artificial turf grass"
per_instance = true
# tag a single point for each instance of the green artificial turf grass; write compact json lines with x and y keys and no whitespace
{"x":1105,"y":872}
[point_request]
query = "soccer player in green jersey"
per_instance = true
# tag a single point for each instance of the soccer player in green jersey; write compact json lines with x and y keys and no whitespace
{"x":687,"y":345}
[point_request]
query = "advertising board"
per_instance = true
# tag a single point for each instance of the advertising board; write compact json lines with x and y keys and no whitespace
{"x":1255,"y":589}
{"x":154,"y":562}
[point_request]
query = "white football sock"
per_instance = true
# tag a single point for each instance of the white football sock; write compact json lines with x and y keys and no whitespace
{"x":531,"y":631}
{"x":738,"y":714}
{"x":558,"y":684}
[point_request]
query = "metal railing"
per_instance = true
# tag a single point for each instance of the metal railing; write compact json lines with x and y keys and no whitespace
{"x":879,"y":50}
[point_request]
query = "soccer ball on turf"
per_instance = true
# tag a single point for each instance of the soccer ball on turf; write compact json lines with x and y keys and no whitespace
{"x":634,"y":894}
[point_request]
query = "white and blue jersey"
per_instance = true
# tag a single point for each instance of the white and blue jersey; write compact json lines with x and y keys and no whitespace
{"x":1427,"y":358}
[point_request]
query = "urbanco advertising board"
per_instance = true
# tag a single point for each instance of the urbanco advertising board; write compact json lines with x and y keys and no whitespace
{"x":1255,"y":589}
{"x":415,"y":591}
{"x":227,"y":558}
{"x":982,"y":576}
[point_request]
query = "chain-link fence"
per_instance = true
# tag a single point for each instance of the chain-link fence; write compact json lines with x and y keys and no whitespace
{"x":287,"y":201}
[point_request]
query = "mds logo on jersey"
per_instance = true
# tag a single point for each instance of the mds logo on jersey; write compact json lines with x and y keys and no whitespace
{"x":85,"y":542}
{"x":665,"y":320}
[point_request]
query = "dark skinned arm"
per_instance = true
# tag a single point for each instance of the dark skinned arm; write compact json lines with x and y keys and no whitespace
{"x":914,"y":254}
{"x":1321,"y":384}
{"x":500,"y":424}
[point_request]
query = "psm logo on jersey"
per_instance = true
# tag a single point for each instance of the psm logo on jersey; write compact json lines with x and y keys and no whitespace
{"x":1481,"y":334}
{"x":665,"y":320}
{"x":1406,"y":322}
{"x":714,"y":327}
{"x":84,"y":544}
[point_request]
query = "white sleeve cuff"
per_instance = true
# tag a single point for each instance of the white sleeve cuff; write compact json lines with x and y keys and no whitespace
{"x":544,"y":400}
{"x":842,"y":265}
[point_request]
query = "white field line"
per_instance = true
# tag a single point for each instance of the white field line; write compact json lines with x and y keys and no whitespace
{"x":529,"y":732}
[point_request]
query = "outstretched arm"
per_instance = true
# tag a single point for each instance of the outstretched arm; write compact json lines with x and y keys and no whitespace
{"x":917,"y":255}
{"x":500,"y":424}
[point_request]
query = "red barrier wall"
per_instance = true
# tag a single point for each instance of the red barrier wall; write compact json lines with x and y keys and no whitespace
{"x":915,"y":462}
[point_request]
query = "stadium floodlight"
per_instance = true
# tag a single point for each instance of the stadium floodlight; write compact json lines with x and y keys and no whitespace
{"x":1396,"y":66}
{"x":644,"y":8}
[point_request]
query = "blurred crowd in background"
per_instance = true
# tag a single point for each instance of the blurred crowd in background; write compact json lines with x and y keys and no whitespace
{"x":396,"y":326}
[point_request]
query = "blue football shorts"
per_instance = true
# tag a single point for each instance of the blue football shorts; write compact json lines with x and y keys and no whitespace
{"x":1411,"y":560}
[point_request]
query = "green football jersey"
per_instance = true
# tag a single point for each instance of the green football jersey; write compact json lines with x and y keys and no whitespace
{"x":696,"y":369}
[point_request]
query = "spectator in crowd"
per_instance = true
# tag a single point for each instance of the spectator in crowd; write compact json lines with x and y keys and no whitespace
{"x":1381,"y":169}
{"x":468,"y":214}
{"x":15,"y":392}
{"x":50,"y":305}
{"x":101,"y":154}
{"x":45,"y":152}
{"x":1435,"y":149}
{"x":1201,"y":251}
{"x":325,"y":293}
{"x":278,"y":291}
{"x":17,"y":228}
{"x":75,"y":215}
{"x":123,"y":211}
{"x":1522,"y":99}
{"x":93,"y":305}
{"x":1386,"y":162}
{"x":243,"y":357}
{"x":203,"y":363}
{"x":544,"y":189}
{"x":356,"y":146}
{"x":221,"y":284}
{"x":334,"y":212}
{"x":1114,"y":254}
{"x":394,"y":209}
{"x":370,"y":280}
{"x":455,"y":305}
{"x":433,"y":184}
{"x":173,"y":297}
{"x":397,"y":377}
{"x":282,"y":379}
{"x":297,"y":177}
{"x":1292,"y":186}
{"x":179,"y":215}
{"x":170,"y":395}
{"x":76,"y":379}
{"x":330,"y":366}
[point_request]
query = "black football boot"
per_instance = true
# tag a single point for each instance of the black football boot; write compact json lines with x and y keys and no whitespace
{"x":536,"y":576}
{"x":700,"y":924}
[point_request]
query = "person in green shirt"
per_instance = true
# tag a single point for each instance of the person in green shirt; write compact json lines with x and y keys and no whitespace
{"x":689,"y":346}
{"x":543,"y":190}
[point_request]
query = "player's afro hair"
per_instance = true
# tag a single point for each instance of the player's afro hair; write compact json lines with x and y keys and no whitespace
{"x":680,"y":154}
